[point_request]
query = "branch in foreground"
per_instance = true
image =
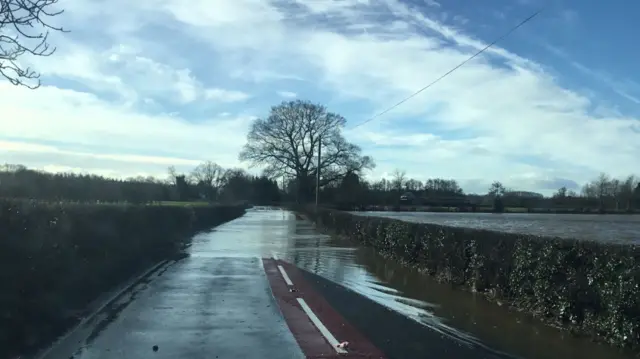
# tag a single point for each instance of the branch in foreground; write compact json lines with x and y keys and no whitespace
{"x":19,"y":20}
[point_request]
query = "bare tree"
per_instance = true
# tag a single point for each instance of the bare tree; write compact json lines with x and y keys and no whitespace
{"x":211,"y":176}
{"x":626,"y":191}
{"x":589,"y":190}
{"x":286,"y":144}
{"x":24,"y":29}
{"x":497,"y":189}
{"x":439,"y":186}
{"x":413,"y":185}
{"x":561,"y":192}
{"x":614,"y":191}
{"x":399,"y":179}
{"x":602,"y":188}
{"x":172,"y":175}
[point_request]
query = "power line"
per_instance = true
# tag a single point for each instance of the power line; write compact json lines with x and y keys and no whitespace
{"x":452,"y":70}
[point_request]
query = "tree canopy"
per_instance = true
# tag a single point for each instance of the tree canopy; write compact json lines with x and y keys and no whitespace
{"x":286,"y":144}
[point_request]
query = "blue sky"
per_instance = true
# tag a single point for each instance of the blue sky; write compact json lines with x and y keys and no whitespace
{"x":162,"y":83}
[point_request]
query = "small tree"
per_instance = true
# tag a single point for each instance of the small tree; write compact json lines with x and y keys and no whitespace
{"x":561,"y":192}
{"x":497,"y":189}
{"x":399,"y":179}
{"x":19,"y":35}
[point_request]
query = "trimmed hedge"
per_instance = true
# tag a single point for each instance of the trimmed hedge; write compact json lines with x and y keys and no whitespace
{"x":57,"y":258}
{"x":589,"y":288}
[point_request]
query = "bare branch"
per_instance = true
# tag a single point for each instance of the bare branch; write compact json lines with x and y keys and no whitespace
{"x":18,"y":21}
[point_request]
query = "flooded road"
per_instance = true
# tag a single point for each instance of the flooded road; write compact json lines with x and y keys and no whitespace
{"x":609,"y":227}
{"x":467,"y":317}
{"x":220,"y":302}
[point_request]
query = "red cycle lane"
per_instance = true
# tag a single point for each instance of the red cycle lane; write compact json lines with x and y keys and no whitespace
{"x":314,"y":338}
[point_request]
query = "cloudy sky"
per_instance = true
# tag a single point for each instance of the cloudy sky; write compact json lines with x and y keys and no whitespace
{"x":136,"y":86}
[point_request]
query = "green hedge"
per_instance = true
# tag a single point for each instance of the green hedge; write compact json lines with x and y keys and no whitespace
{"x":590,"y":288}
{"x":56,"y":258}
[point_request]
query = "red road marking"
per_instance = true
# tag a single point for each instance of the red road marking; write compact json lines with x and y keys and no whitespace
{"x":311,"y":341}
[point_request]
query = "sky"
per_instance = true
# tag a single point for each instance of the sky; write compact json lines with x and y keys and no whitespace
{"x":137,"y":86}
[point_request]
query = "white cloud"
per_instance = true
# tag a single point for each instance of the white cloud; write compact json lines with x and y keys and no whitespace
{"x":225,"y":95}
{"x":97,"y":132}
{"x":501,"y":116}
{"x":287,"y":94}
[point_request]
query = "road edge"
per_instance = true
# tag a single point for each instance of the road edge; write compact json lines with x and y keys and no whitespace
{"x":102,"y":302}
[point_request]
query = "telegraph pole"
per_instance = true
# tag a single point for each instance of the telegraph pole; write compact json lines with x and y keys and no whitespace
{"x":318,"y":171}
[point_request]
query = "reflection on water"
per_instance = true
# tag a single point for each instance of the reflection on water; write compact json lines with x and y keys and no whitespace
{"x":455,"y":313}
{"x":609,"y":227}
{"x":462,"y":315}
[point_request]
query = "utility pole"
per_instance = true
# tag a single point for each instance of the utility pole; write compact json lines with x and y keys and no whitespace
{"x":318,"y":171}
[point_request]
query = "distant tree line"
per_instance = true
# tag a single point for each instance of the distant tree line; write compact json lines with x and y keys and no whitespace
{"x":605,"y":193}
{"x":207,"y":182}
{"x":602,"y":194}
{"x":210,"y":182}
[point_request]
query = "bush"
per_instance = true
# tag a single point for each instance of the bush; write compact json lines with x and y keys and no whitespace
{"x":590,"y":288}
{"x":56,"y":258}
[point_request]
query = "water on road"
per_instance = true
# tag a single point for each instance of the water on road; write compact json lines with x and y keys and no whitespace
{"x":217,"y":301}
{"x":469,"y":318}
{"x":607,"y":227}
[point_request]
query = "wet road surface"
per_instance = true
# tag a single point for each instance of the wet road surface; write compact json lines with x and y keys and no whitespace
{"x":199,"y":308}
{"x":218,"y":302}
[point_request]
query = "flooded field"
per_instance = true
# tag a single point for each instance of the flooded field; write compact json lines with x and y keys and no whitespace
{"x":609,"y":227}
{"x":468,"y":318}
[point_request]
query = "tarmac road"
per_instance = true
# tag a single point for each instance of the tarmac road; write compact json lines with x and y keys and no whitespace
{"x":229,"y":299}
{"x":199,"y":308}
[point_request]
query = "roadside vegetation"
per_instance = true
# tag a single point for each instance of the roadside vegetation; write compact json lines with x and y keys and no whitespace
{"x":55,"y":258}
{"x":68,"y":238}
{"x":588,"y":288}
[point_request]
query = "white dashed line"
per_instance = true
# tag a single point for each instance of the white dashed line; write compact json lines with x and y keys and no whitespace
{"x":274,"y":255}
{"x":285,"y":276}
{"x":323,"y":330}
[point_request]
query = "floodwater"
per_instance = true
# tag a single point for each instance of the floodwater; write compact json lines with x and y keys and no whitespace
{"x":601,"y":227}
{"x":467,"y":317}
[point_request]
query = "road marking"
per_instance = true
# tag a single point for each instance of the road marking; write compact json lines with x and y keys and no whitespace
{"x":285,"y":276}
{"x":274,"y":255}
{"x":323,"y":330}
